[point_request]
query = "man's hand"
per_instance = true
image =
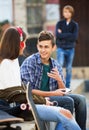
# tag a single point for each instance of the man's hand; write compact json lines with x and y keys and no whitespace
{"x":58,"y":92}
{"x":59,"y":30}
{"x":54,"y":74}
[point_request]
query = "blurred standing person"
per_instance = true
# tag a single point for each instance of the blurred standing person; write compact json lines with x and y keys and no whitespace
{"x":66,"y":36}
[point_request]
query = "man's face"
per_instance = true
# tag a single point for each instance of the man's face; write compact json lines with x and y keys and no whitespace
{"x":45,"y":49}
{"x":67,"y":14}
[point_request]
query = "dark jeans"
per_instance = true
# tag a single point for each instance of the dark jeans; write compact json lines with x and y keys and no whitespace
{"x":73,"y":101}
{"x":80,"y":109}
{"x":66,"y":56}
{"x":64,"y":101}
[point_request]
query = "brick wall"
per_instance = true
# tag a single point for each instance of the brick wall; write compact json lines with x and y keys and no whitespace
{"x":20,"y":13}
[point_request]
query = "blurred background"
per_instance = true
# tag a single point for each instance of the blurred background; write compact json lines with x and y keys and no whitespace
{"x":35,"y":15}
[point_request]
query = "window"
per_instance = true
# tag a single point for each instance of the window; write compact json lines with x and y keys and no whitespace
{"x":35,"y":16}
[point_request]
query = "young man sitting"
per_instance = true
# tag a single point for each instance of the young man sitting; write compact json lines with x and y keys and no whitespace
{"x":47,"y":80}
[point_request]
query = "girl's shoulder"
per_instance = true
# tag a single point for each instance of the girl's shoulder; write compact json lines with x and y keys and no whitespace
{"x":8,"y":62}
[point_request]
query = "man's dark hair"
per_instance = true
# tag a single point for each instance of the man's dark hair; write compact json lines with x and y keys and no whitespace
{"x":46,"y":35}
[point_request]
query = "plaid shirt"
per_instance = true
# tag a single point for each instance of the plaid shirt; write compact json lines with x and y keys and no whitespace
{"x":32,"y":71}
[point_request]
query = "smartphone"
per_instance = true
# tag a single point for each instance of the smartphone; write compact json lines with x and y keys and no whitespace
{"x":67,"y":90}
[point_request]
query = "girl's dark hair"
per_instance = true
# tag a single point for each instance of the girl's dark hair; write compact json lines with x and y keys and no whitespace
{"x":46,"y":35}
{"x":10,"y":44}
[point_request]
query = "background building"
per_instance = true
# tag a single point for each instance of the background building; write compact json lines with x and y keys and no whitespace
{"x":36,"y":15}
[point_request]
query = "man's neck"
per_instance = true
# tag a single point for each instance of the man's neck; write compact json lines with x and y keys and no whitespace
{"x":45,"y":61}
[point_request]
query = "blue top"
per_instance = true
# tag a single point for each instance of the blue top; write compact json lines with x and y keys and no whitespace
{"x":32,"y":71}
{"x":69,"y":35}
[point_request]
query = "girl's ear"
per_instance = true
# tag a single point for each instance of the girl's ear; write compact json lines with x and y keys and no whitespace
{"x":54,"y":47}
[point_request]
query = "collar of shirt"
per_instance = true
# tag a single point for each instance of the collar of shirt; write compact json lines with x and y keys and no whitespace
{"x":52,"y":61}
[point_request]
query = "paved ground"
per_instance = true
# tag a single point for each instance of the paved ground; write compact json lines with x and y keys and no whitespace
{"x":26,"y":125}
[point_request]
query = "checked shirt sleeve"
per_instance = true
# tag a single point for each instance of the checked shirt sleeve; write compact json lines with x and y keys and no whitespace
{"x":27,"y":72}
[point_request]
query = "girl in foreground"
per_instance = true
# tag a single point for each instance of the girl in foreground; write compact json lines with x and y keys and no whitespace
{"x":12,"y":45}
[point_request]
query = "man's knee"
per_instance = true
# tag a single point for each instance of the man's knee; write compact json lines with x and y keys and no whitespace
{"x":82,"y":100}
{"x":79,"y":100}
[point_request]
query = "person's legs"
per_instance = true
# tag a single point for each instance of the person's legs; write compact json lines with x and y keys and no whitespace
{"x":80,"y":109}
{"x":59,"y":127}
{"x":69,"y":56}
{"x":56,"y":114}
{"x":60,"y":56}
{"x":64,"y":101}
